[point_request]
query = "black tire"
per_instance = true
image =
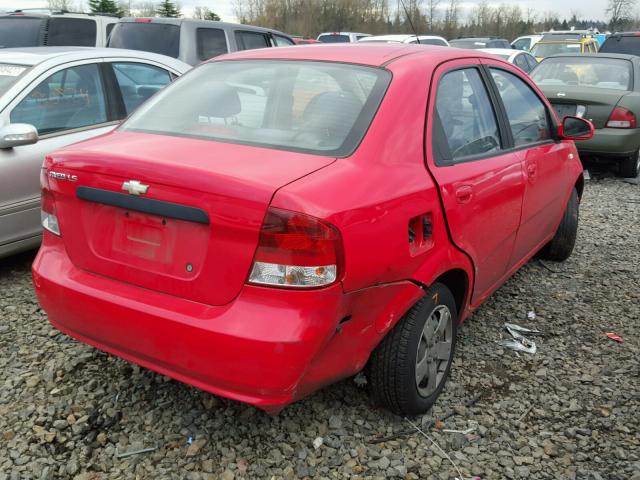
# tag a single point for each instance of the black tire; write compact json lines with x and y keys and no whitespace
{"x":630,"y":167}
{"x":561,"y":245}
{"x":391,"y":371}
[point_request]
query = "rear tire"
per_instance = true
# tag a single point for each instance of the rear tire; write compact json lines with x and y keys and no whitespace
{"x":630,"y":167}
{"x":422,"y":343}
{"x":561,"y":245}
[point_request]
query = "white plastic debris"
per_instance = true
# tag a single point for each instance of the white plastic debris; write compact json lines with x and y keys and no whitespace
{"x":531,"y":315}
{"x":519,"y":342}
{"x":317,"y":443}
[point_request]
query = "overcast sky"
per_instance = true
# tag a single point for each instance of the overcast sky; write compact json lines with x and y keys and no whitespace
{"x":588,"y":9}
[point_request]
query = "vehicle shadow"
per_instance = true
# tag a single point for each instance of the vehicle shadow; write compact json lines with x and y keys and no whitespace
{"x":18,"y":262}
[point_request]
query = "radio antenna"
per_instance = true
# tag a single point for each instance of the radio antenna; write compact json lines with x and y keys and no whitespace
{"x":406,"y":12}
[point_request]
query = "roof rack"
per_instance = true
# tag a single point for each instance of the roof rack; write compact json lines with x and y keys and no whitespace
{"x":48,"y":11}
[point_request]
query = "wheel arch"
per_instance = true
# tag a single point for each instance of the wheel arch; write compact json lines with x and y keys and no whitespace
{"x":579,"y":186}
{"x":457,"y":281}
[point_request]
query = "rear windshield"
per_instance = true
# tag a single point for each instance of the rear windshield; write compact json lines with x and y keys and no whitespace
{"x":330,"y":38}
{"x":588,"y":71}
{"x":314,"y":107}
{"x":548,"y":49}
{"x":621,"y":45}
{"x":8,"y":75}
{"x":162,"y":38}
{"x":20,"y":32}
{"x":431,"y":41}
{"x":468,"y":43}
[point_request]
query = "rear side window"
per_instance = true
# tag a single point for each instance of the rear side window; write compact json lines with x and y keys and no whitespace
{"x":251,"y":40}
{"x":533,"y":63}
{"x":156,"y":37}
{"x":315,"y":107}
{"x":282,"y":41}
{"x":109,"y":29}
{"x":71,"y":32}
{"x":211,"y":42}
{"x":20,"y":32}
{"x":466,"y":116}
{"x":624,"y":44}
{"x":334,"y":38}
{"x":138,"y":82}
{"x":521,"y":62}
{"x":527,"y":114}
{"x":68,"y":99}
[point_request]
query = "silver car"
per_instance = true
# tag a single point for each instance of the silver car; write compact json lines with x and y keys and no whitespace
{"x":51,"y":97}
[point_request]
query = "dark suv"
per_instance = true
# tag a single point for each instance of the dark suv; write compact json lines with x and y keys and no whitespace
{"x":624,"y":42}
{"x":192,"y":41}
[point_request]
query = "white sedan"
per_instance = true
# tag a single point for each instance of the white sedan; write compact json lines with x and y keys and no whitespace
{"x":519,"y":58}
{"x":424,"y":39}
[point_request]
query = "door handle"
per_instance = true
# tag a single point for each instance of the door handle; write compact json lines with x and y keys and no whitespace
{"x":464,"y":194}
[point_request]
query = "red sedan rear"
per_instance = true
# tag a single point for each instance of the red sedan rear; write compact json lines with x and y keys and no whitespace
{"x":279,"y":219}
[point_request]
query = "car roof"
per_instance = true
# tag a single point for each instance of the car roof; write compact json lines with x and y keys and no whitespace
{"x":484,"y":39}
{"x":624,"y":34}
{"x":620,"y":56}
{"x":44,"y":13}
{"x":344,"y":33}
{"x":203,"y":23}
{"x":373,"y":54}
{"x":398,"y":37}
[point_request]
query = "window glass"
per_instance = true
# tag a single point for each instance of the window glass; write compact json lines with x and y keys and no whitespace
{"x":466,"y":114}
{"x":334,"y":38}
{"x":317,"y":107}
{"x":138,"y":82}
{"x":211,"y":42}
{"x":596,"y":72}
{"x":547,"y":49}
{"x":109,"y":29}
{"x":71,"y":32}
{"x":251,"y":40}
{"x":162,"y":38}
{"x":68,"y":99}
{"x":20,"y":32}
{"x":9,"y":74}
{"x":533,"y":63}
{"x":526,"y":113}
{"x":522,"y":44}
{"x":282,"y":41}
{"x":521,"y":62}
{"x":615,"y":44}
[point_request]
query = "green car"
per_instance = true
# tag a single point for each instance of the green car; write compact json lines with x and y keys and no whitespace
{"x":605,"y":89}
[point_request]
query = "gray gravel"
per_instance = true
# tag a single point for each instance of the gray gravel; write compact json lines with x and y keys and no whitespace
{"x":569,"y":411}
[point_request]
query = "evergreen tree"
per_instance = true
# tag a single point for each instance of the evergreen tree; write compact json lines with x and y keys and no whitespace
{"x":203,"y":13}
{"x":167,"y":8}
{"x":105,"y":6}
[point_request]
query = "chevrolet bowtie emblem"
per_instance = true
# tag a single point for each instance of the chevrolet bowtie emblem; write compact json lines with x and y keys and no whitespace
{"x":134,"y":187}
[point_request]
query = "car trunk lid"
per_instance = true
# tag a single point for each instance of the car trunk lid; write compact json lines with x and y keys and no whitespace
{"x":189,"y":221}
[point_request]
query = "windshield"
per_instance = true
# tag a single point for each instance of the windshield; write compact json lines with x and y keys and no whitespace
{"x":620,"y":44}
{"x":162,"y":38}
{"x":585,"y":72}
{"x":8,"y":75}
{"x":314,"y":107}
{"x":548,"y":49}
{"x":331,"y":38}
{"x":20,"y":32}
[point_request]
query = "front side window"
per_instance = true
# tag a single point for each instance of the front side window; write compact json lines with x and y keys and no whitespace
{"x":282,"y":41}
{"x":137,"y":82}
{"x":68,"y":99}
{"x":251,"y":40}
{"x":211,"y":42}
{"x":527,"y":114}
{"x":594,"y":72}
{"x":71,"y":32}
{"x":466,"y":116}
{"x":314,"y":107}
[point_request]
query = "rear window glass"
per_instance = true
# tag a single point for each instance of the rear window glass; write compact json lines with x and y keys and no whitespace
{"x":548,"y":49}
{"x":251,"y":40}
{"x":334,"y":38}
{"x":621,"y":45}
{"x":8,"y":75}
{"x":584,"y":72}
{"x":71,"y":32}
{"x":314,"y":107}
{"x":468,"y":43}
{"x":210,"y":42}
{"x":162,"y":38}
{"x":431,"y":41}
{"x":20,"y":32}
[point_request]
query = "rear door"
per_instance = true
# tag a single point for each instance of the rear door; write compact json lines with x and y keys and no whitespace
{"x":481,"y":183}
{"x":545,"y":162}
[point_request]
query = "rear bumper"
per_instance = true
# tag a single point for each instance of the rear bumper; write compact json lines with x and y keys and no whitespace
{"x":254,"y":349}
{"x":268,"y":347}
{"x":611,"y":142}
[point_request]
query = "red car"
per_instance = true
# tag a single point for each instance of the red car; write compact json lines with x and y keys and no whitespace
{"x":277,"y":220}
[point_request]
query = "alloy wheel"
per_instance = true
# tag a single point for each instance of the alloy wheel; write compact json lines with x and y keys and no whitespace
{"x":434,"y":350}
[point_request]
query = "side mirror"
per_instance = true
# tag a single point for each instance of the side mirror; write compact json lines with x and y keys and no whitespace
{"x":575,"y":128}
{"x":17,"y":134}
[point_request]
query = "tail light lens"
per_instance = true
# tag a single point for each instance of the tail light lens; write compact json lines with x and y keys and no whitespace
{"x":621,"y":118}
{"x":48,"y":207}
{"x":296,"y":250}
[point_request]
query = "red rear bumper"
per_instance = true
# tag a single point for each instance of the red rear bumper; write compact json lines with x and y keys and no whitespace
{"x":255,"y":349}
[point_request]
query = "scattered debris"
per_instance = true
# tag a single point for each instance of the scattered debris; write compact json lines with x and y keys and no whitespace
{"x":317,"y":443}
{"x":586,"y":175}
{"x":463,"y":432}
{"x":189,"y":440}
{"x":134,"y":452}
{"x":531,"y":315}
{"x":614,"y":336}
{"x":519,"y":342}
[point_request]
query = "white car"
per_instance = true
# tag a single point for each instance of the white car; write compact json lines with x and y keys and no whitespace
{"x":526,"y":42}
{"x":424,"y":39}
{"x":51,"y":97}
{"x":519,"y":58}
{"x":341,"y":37}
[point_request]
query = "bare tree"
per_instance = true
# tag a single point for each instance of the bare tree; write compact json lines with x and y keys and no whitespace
{"x":620,"y":13}
{"x":59,"y":5}
{"x":432,"y":12}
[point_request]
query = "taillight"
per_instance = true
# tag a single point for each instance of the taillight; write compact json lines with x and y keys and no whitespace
{"x":296,"y":250}
{"x":48,"y":207}
{"x":621,"y":118}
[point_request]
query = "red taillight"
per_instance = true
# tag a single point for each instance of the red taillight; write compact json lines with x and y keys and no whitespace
{"x":621,"y":118}
{"x":296,"y":250}
{"x":48,"y":206}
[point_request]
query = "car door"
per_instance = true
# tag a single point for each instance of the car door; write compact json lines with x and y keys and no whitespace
{"x":544,"y":160}
{"x":66,"y":105}
{"x":481,"y":183}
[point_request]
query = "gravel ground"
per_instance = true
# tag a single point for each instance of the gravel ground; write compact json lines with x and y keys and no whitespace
{"x":568,"y":411}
